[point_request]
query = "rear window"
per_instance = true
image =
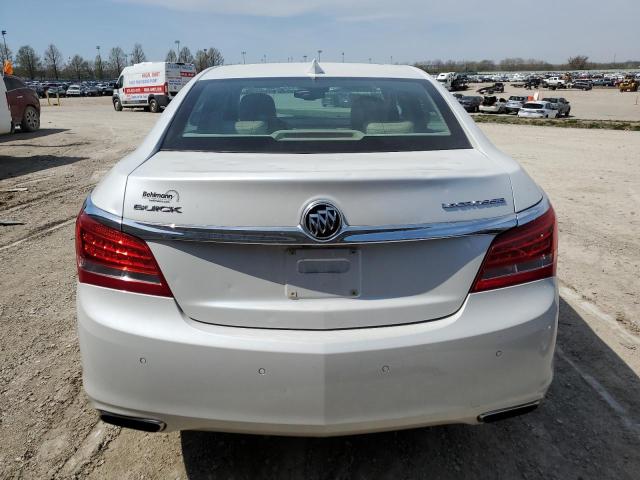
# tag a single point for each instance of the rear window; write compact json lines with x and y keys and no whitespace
{"x":305,"y":115}
{"x":517,"y":99}
{"x":535,"y":106}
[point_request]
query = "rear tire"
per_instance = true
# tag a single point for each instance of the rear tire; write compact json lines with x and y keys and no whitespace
{"x":30,"y":120}
{"x":154,"y":106}
{"x":117,"y":105}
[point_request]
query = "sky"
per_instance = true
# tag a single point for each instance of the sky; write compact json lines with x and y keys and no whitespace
{"x":403,"y":31}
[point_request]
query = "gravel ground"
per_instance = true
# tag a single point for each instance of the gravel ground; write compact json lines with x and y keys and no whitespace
{"x":589,"y":427}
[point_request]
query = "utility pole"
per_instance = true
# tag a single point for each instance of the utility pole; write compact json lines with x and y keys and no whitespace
{"x":244,"y":57}
{"x":6,"y":50}
{"x":177,"y":42}
{"x":319,"y":53}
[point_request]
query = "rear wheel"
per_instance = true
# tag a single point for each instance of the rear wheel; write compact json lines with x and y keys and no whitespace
{"x":30,"y":120}
{"x":117,"y":105}
{"x":154,"y":106}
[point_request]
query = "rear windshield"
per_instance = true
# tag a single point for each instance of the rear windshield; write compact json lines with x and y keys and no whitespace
{"x":536,"y":106}
{"x":305,"y":115}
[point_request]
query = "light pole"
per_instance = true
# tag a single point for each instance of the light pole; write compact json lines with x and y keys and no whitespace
{"x":244,"y":57}
{"x":98,"y":63}
{"x":6,"y":50}
{"x":391,"y":58}
{"x":305,"y":58}
{"x":342,"y":57}
{"x":264,"y":58}
{"x":319,"y":53}
{"x":177,"y":42}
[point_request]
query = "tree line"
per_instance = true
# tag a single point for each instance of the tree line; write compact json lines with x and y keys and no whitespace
{"x":52,"y":65}
{"x":577,"y":62}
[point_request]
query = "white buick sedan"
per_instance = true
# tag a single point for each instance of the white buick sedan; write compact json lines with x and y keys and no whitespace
{"x":315,"y":249}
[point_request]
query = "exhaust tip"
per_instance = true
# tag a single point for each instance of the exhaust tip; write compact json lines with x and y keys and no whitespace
{"x":504,"y":413}
{"x":135,"y":423}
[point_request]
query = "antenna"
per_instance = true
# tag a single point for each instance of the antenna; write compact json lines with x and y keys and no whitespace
{"x":315,"y":69}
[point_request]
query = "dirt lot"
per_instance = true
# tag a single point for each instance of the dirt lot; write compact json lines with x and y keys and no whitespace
{"x":596,"y":104}
{"x":589,"y":427}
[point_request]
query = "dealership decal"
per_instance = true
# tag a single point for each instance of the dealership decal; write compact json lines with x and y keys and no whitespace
{"x":167,"y":197}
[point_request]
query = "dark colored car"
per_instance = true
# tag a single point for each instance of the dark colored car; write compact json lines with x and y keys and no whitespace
{"x":497,"y":87}
{"x":583,"y":84}
{"x":92,"y":91}
{"x":23,"y":103}
{"x":470,"y":104}
{"x":56,"y":89}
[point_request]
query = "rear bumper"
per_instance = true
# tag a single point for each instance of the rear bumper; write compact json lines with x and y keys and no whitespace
{"x":143,"y":358}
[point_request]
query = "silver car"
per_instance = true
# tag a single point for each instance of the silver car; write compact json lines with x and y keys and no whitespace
{"x":269,"y":262}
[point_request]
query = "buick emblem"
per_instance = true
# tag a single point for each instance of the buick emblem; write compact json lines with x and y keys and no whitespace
{"x":322,"y":221}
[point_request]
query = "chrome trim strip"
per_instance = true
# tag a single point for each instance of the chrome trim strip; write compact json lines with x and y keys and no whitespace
{"x":531,"y":213}
{"x":102,"y":216}
{"x":350,"y":235}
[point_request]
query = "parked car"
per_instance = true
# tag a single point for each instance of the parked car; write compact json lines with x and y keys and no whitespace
{"x":554,"y":83}
{"x":91,"y":91}
{"x":492,"y":104}
{"x":560,"y":104}
{"x":23,"y":103}
{"x":56,"y":90}
{"x":603,"y":82}
{"x":356,"y":289}
{"x":6,"y":122}
{"x":75,"y":91}
{"x":37,"y":87}
{"x":497,"y":87}
{"x":582,"y":85}
{"x":108,"y":88}
{"x":470,"y":103}
{"x":629,"y":84}
{"x":514,"y":103}
{"x":538,"y":109}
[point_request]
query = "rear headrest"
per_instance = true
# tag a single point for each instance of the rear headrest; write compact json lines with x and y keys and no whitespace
{"x":256,"y":106}
{"x":366,"y":109}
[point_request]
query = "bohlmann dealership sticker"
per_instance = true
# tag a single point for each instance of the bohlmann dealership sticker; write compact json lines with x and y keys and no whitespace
{"x":167,"y":197}
{"x":170,"y":196}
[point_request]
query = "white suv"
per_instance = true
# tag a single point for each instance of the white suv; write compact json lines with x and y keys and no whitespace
{"x":307,"y":249}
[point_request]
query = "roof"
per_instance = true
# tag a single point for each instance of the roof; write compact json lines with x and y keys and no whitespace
{"x":262,"y":70}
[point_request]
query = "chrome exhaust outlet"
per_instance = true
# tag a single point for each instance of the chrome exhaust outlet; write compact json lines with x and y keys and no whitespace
{"x":509,"y":412}
{"x":144,"y":424}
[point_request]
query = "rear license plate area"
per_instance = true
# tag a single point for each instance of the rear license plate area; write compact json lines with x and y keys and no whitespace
{"x":322,"y":273}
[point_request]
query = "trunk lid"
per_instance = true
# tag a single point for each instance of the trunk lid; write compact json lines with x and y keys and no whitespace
{"x":317,"y":287}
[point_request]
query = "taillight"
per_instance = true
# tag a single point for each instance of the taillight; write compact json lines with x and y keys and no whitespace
{"x":522,"y":254}
{"x":110,"y":258}
{"x":166,"y":88}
